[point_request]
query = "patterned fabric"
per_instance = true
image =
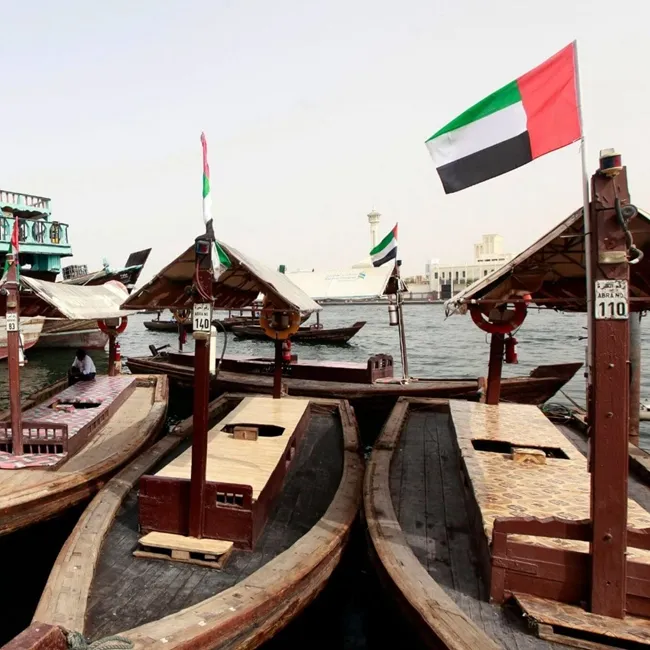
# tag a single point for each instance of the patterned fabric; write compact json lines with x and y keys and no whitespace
{"x":503,"y":488}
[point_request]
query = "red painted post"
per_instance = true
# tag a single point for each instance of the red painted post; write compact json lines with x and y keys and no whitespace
{"x":13,"y":348}
{"x":609,"y":416}
{"x":277,"y":373}
{"x":497,"y":344}
{"x":111,"y":352}
{"x":200,"y":433}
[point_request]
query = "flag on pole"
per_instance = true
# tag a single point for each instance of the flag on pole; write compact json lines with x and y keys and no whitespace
{"x":386,"y":249}
{"x":207,"y":198}
{"x":224,"y":260}
{"x":531,"y":116}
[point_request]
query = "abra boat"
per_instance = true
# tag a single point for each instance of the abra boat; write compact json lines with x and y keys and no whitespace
{"x":472,"y":506}
{"x":85,"y":333}
{"x":370,"y":387}
{"x":315,"y":335}
{"x":225,"y":513}
{"x":61,"y":445}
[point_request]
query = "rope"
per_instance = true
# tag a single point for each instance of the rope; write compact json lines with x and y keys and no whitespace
{"x":556,"y":410}
{"x":77,"y":641}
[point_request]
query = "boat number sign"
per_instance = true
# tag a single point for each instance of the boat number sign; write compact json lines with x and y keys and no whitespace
{"x":202,"y":317}
{"x":12,"y":322}
{"x":611,"y":300}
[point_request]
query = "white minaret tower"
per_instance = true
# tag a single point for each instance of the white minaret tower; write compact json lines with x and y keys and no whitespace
{"x":373,"y":220}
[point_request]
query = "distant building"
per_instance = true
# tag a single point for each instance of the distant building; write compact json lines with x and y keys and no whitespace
{"x":446,"y":280}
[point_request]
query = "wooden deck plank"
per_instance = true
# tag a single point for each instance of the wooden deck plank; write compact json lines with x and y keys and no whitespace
{"x":190,"y":544}
{"x":244,"y":461}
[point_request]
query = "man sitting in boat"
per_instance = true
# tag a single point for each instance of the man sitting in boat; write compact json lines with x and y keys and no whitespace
{"x":83,"y":368}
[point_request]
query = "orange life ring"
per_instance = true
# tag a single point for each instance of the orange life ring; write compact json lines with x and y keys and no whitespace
{"x":109,"y":330}
{"x":521,"y":309}
{"x":266,"y":316}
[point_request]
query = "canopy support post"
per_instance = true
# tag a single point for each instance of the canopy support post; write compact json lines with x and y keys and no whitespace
{"x":13,"y":349}
{"x":635,"y":376}
{"x":112,"y":371}
{"x":277,"y":372}
{"x":609,"y":407}
{"x":495,"y":367}
{"x":200,"y":432}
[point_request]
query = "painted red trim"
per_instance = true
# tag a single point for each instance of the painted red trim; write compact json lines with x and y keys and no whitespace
{"x":549,"y":95}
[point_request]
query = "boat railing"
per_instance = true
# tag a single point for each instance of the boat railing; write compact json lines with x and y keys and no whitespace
{"x":35,"y":231}
{"x":38,"y":437}
{"x":18,"y":201}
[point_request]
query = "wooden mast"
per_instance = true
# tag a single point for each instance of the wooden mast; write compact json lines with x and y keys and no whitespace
{"x":203,"y":279}
{"x":609,"y":404}
{"x":13,"y":348}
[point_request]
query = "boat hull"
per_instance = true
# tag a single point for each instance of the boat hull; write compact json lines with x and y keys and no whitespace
{"x":242,"y":616}
{"x":51,"y":491}
{"x":316,"y":336}
{"x":31,"y":329}
{"x":72,"y":334}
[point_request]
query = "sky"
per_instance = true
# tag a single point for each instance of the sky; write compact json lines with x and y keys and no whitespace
{"x":315,"y":113}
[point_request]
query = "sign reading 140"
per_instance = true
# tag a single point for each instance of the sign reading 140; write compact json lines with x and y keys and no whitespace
{"x":611,"y":300}
{"x":202,"y":317}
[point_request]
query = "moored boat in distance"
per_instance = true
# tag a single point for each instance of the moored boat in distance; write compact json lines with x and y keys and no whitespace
{"x":316,"y":335}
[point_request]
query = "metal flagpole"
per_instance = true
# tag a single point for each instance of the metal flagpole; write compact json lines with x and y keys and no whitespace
{"x":587,"y":232}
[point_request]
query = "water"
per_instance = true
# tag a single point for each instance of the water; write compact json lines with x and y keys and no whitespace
{"x":351,"y":613}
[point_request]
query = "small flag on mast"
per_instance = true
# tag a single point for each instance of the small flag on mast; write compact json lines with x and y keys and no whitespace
{"x":207,"y":198}
{"x":386,"y":249}
{"x":529,"y":117}
{"x":224,"y":260}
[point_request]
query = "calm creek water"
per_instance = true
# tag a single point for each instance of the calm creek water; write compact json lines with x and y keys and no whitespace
{"x":351,"y":612}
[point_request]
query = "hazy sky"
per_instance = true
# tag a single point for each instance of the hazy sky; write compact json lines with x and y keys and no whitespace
{"x":314,"y":113}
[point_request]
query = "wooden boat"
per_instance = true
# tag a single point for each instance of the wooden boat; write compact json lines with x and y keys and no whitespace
{"x":60,"y":446}
{"x":30,"y":328}
{"x":63,"y":333}
{"x":315,"y":335}
{"x":166,"y":326}
{"x":114,"y":420}
{"x":370,"y":386}
{"x":99,"y":587}
{"x":253,"y":511}
{"x":486,"y":521}
{"x":439,"y":479}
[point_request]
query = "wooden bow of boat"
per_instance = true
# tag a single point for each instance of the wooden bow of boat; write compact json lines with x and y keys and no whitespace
{"x":98,"y":587}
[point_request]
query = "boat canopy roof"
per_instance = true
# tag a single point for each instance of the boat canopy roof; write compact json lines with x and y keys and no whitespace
{"x":58,"y":300}
{"x":552,"y":271}
{"x":345,"y":284}
{"x":235,"y":288}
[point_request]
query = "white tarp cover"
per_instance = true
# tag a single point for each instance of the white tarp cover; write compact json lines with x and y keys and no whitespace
{"x":235,"y":288}
{"x":58,"y":300}
{"x":342,"y":284}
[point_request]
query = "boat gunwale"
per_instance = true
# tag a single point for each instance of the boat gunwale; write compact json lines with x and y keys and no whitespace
{"x":425,"y":598}
{"x":275,"y":594}
{"x":27,"y":506}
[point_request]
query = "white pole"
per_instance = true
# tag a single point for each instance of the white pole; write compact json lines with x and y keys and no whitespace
{"x":587,"y":232}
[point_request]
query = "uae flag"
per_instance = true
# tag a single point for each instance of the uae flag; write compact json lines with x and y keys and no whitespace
{"x":531,"y":116}
{"x":386,"y":249}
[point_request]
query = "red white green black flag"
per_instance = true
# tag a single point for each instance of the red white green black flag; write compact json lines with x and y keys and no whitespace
{"x":529,"y":117}
{"x":224,"y":260}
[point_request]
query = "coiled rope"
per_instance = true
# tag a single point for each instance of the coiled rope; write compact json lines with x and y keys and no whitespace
{"x":77,"y":641}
